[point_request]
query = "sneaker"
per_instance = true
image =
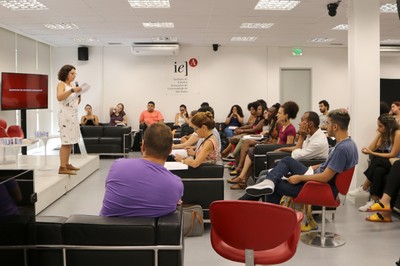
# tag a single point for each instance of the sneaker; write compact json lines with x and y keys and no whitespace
{"x":229,"y":158}
{"x":366,"y":206}
{"x":265,"y":187}
{"x":358,"y":192}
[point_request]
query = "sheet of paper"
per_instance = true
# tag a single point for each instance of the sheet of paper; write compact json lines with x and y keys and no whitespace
{"x":181,"y":152}
{"x":85,"y":87}
{"x":255,"y":137}
{"x":309,"y":171}
{"x":176,"y":166}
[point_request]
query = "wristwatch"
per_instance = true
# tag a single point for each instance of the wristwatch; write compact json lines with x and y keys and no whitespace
{"x":72,"y":90}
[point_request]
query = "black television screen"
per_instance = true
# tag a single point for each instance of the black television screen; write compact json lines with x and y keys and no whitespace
{"x":24,"y":91}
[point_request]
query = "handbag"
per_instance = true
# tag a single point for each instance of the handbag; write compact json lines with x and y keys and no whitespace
{"x":193,"y":224}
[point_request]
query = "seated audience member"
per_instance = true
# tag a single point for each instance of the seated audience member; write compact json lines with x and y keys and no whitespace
{"x":150,"y":116}
{"x":384,"y":206}
{"x":312,"y":144}
{"x":395,"y":110}
{"x":384,"y":146}
{"x":10,"y":194}
{"x":344,"y":156}
{"x":384,"y":108}
{"x":205,"y":105}
{"x":208,"y":150}
{"x":144,"y":187}
{"x":253,"y":113}
{"x":117,"y":116}
{"x":233,"y":120}
{"x":89,"y":119}
{"x":324,"y":109}
{"x":182,"y":117}
{"x":269,"y":133}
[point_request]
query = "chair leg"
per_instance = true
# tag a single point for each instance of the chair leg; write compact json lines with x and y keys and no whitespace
{"x":323,"y":239}
{"x":249,"y":254}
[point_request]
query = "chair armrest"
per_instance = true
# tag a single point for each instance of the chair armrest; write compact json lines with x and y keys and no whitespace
{"x":311,"y":162}
{"x":274,"y":156}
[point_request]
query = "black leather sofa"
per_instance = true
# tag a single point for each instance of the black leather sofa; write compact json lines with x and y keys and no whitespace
{"x":94,"y":240}
{"x":202,"y":185}
{"x":106,"y":139}
{"x":260,"y":156}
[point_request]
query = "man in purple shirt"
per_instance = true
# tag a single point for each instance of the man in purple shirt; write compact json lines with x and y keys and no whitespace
{"x":144,"y":187}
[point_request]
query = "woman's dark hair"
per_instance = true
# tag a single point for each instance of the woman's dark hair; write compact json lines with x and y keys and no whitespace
{"x":203,"y":118}
{"x":391,"y":125}
{"x":64,"y":71}
{"x":239,"y":110}
{"x":272,"y":119}
{"x":123,"y":107}
{"x":88,"y":105}
{"x":263,"y":103}
{"x":291,"y":109}
{"x":184,"y":106}
{"x":253,"y":105}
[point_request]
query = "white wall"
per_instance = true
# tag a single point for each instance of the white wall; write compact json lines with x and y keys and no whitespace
{"x":233,"y":75}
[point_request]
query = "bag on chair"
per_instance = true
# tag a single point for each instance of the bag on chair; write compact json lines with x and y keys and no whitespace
{"x":193,"y":224}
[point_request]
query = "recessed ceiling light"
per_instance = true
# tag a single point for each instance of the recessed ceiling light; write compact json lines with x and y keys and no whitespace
{"x":158,"y":24}
{"x":19,"y":5}
{"x":388,"y":8}
{"x":243,"y":39}
{"x":85,"y":39}
{"x":276,"y":4}
{"x":341,"y":27}
{"x":256,"y":25}
{"x":149,"y":3}
{"x":62,"y":26}
{"x":165,"y":39}
{"x":391,"y":41}
{"x":321,"y":40}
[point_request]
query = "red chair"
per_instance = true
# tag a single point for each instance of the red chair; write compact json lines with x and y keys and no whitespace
{"x":254,"y":232}
{"x":320,"y":194}
{"x":15,"y":131}
{"x":3,"y":123}
{"x":3,"y":133}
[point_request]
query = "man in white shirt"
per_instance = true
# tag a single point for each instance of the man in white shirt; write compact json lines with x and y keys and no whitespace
{"x":312,"y":142}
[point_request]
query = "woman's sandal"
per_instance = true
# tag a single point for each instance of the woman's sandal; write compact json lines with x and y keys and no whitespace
{"x":234,"y":173}
{"x":377,"y":217}
{"x":235,"y":180}
{"x":240,"y":185}
{"x":379,"y":206}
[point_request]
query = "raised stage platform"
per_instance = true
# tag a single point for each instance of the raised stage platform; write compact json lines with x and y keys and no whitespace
{"x":49,"y":185}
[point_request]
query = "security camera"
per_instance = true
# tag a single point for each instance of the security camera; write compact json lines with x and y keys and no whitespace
{"x":215,"y":47}
{"x":332,"y":7}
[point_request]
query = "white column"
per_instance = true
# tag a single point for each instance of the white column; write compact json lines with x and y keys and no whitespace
{"x":364,"y":75}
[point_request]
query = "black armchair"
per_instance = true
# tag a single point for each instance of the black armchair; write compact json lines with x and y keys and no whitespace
{"x":260,"y":155}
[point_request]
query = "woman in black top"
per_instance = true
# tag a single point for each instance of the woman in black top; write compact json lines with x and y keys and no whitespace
{"x":89,"y":119}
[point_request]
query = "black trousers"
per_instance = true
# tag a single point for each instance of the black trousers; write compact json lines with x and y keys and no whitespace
{"x":393,"y":182}
{"x":376,"y":173}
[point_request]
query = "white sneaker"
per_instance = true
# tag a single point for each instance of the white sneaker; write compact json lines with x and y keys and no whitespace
{"x":366,"y":206}
{"x":358,"y":192}
{"x":265,"y":187}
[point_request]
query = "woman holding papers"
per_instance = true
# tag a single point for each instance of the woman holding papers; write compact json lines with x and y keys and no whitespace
{"x":68,"y":95}
{"x":208,"y":151}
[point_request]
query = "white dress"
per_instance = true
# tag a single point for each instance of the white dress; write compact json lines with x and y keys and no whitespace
{"x":68,"y":118}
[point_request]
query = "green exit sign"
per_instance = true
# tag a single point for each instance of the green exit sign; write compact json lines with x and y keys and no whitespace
{"x":297,"y":51}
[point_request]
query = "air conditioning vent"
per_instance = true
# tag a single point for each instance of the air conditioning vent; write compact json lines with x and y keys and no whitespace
{"x":155,"y":49}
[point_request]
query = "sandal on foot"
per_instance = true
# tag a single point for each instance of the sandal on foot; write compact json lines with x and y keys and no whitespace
{"x":234,"y":173}
{"x":378,"y":206}
{"x":240,"y":185}
{"x":235,"y":180}
{"x":71,"y":167}
{"x":377,"y":217}
{"x":65,"y":171}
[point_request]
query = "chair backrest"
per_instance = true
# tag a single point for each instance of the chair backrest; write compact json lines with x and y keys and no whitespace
{"x":3,"y":133}
{"x":343,"y":180}
{"x":3,"y":123}
{"x":252,"y":225}
{"x":15,"y":131}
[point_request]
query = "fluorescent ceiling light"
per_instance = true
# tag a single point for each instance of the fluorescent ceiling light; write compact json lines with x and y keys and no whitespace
{"x":62,"y":26}
{"x":276,"y":4}
{"x":256,"y":25}
{"x":391,"y":41}
{"x":18,"y":5}
{"x":158,"y":24}
{"x":341,"y":27}
{"x":149,"y":3}
{"x":165,"y":39}
{"x":319,"y":40}
{"x":388,"y":8}
{"x":243,"y":39}
{"x":85,"y":39}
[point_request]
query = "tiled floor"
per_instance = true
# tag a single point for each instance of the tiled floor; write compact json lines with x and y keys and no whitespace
{"x":367,"y":243}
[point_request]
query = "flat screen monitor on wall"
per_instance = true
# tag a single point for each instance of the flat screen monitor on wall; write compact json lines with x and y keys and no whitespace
{"x":24,"y":91}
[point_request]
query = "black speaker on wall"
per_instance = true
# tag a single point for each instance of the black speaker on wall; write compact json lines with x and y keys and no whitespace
{"x":83,"y":53}
{"x":398,"y":11}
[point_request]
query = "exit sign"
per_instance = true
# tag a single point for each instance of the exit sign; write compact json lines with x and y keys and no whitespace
{"x":297,"y":51}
